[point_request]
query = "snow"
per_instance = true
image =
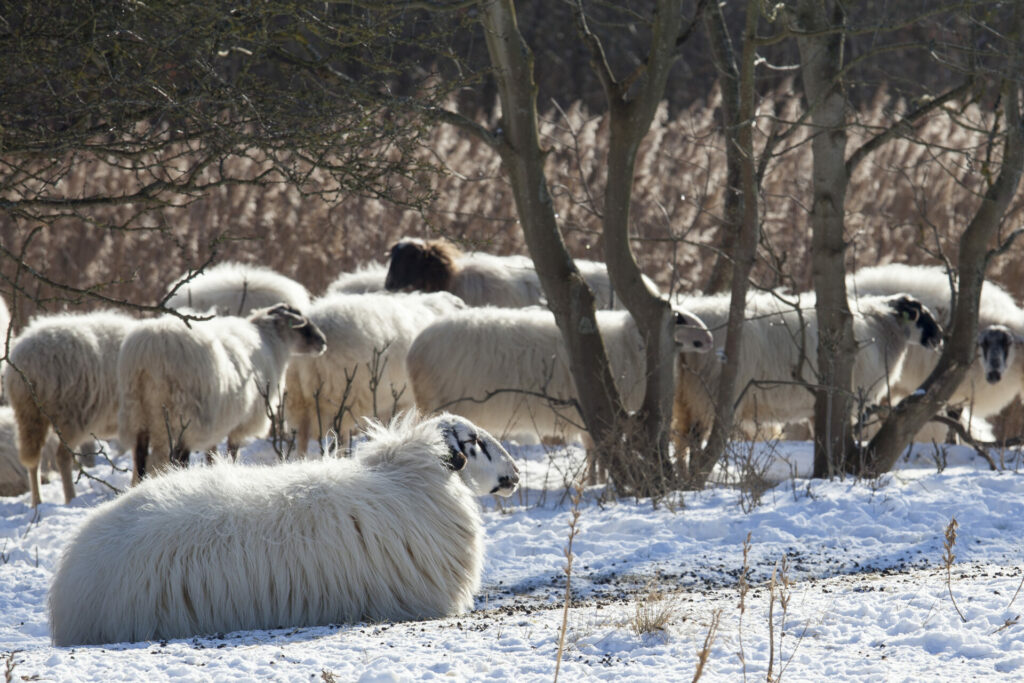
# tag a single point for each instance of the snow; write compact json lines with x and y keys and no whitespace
{"x":860,"y":590}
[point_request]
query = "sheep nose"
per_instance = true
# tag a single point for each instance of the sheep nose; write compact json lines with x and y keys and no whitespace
{"x":993,"y":376}
{"x":699,"y":344}
{"x":508,"y":481}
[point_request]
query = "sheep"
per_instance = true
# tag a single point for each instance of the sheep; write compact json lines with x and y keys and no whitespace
{"x":62,"y":374}
{"x":13,"y":475}
{"x":182,"y":389}
{"x":367,"y":278}
{"x":393,"y":533}
{"x":507,"y":369}
{"x":363,"y":368}
{"x":1000,"y":321}
{"x":5,"y":323}
{"x":483,"y":279}
{"x":774,"y":350}
{"x":237,"y":289}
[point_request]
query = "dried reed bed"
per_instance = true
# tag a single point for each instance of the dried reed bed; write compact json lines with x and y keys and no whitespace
{"x":904,"y":202}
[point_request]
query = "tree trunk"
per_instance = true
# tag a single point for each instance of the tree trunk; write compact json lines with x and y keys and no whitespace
{"x":740,"y":140}
{"x":821,"y":56}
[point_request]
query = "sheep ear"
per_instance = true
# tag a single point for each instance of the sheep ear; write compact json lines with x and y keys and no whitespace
{"x":456,"y":461}
{"x":462,"y":442}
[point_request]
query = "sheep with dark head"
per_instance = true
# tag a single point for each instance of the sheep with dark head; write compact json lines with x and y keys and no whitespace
{"x":392,"y":533}
{"x":781,"y":337}
{"x":484,"y":279}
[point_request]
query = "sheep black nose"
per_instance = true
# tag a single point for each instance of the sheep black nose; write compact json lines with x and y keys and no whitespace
{"x":698,"y":344}
{"x":508,"y":482}
{"x":993,"y":376}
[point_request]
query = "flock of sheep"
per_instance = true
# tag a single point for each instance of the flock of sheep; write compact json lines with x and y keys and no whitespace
{"x":392,"y":532}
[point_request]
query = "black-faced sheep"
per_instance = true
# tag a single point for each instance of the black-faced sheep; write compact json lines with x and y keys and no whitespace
{"x":483,"y":279}
{"x":186,"y":388}
{"x":362,"y":373}
{"x":63,"y":374}
{"x":237,"y":289}
{"x":780,"y":339}
{"x":393,"y":533}
{"x":978,"y":393}
{"x":507,"y":369}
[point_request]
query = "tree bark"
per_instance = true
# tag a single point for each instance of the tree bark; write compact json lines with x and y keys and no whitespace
{"x":821,"y":56}
{"x":568,"y":296}
{"x":740,"y":140}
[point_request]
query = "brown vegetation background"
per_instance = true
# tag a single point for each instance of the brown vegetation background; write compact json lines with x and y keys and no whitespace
{"x":907,"y":203}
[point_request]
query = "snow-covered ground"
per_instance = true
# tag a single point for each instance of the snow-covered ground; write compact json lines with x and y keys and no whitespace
{"x":860,"y":590}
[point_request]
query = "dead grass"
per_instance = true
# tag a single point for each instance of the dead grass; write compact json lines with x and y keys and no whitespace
{"x":907,"y":202}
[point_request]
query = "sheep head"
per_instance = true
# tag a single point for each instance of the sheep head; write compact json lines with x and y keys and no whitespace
{"x":483,"y":462}
{"x":421,"y":265}
{"x":690,"y":332}
{"x":918,"y":320}
{"x":996,"y":344}
{"x":290,"y":323}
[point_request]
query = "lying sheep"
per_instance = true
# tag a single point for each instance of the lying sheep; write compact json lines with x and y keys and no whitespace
{"x":508,"y":371}
{"x":362,"y":373}
{"x":63,"y":374}
{"x":393,"y":533}
{"x":780,"y":339}
{"x":483,"y":279}
{"x":1000,"y":320}
{"x":367,"y":278}
{"x":186,"y":388}
{"x":237,"y":289}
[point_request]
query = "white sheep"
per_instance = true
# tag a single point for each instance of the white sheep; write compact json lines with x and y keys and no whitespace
{"x":981,"y":392}
{"x":779,"y":354}
{"x":186,"y":388}
{"x":63,"y":374}
{"x":366,"y":278}
{"x":13,"y":475}
{"x":484,"y":279}
{"x":507,"y":369}
{"x":362,"y":373}
{"x":237,"y":289}
{"x":393,"y":533}
{"x":5,"y":323}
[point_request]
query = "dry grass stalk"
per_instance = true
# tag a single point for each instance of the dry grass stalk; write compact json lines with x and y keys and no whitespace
{"x":744,"y":588}
{"x":709,"y":639}
{"x":574,"y":516}
{"x":948,"y":558}
{"x":780,"y":590}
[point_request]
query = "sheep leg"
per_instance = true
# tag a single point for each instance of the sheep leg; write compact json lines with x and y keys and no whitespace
{"x":179,"y":455}
{"x":65,"y":458}
{"x":32,"y":429}
{"x":302,"y":436}
{"x":592,"y":472}
{"x":233,"y":450}
{"x":139,"y":457}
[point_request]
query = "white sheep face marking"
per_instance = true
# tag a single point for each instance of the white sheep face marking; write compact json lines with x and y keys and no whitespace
{"x":484,"y":464}
{"x":996,"y":345}
{"x":690,"y":332}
